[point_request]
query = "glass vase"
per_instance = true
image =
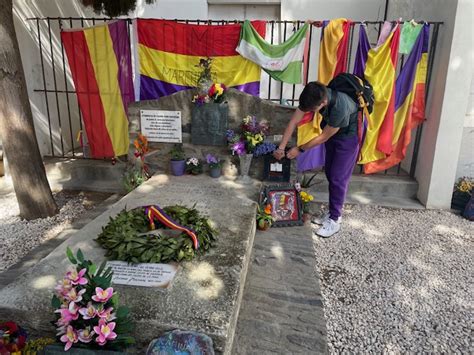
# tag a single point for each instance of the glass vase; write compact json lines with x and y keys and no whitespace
{"x":245,"y":162}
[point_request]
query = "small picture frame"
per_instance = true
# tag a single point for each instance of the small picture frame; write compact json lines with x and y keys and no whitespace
{"x":286,"y":205}
{"x":276,"y":170}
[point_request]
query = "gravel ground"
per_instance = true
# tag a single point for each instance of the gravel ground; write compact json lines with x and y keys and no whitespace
{"x":397,"y":281}
{"x":18,"y":237}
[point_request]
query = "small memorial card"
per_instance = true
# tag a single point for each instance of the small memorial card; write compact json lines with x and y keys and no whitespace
{"x":145,"y":274}
{"x":276,"y":167}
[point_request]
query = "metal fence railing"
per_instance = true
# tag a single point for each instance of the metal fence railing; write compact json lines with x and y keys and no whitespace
{"x":61,"y":106}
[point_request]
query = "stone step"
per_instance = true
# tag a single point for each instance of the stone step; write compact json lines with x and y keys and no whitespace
{"x":85,"y":174}
{"x":373,"y":185}
{"x":208,"y":303}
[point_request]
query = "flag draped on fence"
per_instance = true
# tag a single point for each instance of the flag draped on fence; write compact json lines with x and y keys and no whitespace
{"x":99,"y":58}
{"x":283,"y":61}
{"x":333,"y":49}
{"x":169,"y":54}
{"x":380,"y":71}
{"x":410,"y":103}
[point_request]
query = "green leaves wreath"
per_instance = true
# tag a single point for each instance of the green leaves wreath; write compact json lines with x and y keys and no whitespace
{"x":128,"y":237}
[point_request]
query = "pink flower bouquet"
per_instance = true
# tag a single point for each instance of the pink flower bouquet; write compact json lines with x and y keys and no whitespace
{"x":87,"y":309}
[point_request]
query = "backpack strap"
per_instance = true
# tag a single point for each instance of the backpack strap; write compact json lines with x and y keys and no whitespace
{"x":332,"y":102}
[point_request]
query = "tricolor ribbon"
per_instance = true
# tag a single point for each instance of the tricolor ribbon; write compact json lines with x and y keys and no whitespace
{"x":155,"y":212}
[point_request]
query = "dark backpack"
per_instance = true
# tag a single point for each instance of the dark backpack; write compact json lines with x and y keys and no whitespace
{"x":354,"y":87}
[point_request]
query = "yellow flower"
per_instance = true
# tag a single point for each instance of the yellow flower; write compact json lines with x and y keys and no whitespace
{"x":306,"y":197}
{"x":247,"y":119}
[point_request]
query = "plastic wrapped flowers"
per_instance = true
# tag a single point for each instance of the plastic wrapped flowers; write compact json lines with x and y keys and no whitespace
{"x":216,"y":92}
{"x":87,"y":308}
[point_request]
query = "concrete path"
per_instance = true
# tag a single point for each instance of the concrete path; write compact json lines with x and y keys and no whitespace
{"x":282,"y":310}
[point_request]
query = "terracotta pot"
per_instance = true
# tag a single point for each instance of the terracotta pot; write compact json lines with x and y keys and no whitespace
{"x":306,"y":217}
{"x":266,"y":225}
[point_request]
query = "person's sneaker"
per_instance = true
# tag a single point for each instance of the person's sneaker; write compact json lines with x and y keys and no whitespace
{"x":321,"y":219}
{"x":329,"y":228}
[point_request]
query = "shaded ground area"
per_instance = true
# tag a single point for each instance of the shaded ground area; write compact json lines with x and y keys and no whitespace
{"x":18,"y":237}
{"x":281,"y":311}
{"x":398,"y":281}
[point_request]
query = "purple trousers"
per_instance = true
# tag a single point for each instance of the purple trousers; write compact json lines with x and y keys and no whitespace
{"x":341,"y":156}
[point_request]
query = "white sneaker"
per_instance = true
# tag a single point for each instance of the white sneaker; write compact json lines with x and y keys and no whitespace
{"x":321,"y":219}
{"x":329,"y":228}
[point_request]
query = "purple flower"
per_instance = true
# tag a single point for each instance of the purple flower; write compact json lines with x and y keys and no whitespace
{"x":211,"y":159}
{"x":230,"y":134}
{"x":264,"y":148}
{"x":238,"y":148}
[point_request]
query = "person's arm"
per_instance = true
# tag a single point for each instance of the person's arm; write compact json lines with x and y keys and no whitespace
{"x":327,"y":133}
{"x":290,"y":128}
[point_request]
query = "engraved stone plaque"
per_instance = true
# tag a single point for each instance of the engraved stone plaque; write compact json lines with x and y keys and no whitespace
{"x":209,"y":124}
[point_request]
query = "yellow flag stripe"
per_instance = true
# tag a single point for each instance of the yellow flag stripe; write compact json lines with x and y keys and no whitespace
{"x":183,"y":69}
{"x":106,"y":68}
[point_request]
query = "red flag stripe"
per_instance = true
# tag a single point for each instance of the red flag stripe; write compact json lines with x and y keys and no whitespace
{"x":197,"y":40}
{"x":88,"y":94}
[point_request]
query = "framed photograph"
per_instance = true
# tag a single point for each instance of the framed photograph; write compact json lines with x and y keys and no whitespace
{"x":286,"y":205}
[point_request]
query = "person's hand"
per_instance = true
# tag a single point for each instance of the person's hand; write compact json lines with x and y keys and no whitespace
{"x":293,"y":153}
{"x":278,"y":154}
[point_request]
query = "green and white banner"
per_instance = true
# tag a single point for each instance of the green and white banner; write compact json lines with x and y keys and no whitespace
{"x":283,"y":61}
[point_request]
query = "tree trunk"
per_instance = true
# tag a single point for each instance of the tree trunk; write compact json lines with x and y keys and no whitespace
{"x":17,"y":129}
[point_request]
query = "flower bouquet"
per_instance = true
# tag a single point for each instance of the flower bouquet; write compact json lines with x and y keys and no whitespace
{"x":215,"y":165}
{"x":193,"y":166}
{"x":252,"y":135}
{"x":87,"y":308}
{"x":306,"y":198}
{"x":216,"y":93}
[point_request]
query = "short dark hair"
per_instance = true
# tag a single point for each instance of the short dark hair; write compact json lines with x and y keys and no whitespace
{"x":312,"y":95}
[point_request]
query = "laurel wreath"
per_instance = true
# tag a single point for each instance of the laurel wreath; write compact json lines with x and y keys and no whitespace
{"x":128,"y":237}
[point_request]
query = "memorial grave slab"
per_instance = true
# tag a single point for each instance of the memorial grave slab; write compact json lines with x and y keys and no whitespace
{"x":206,"y":292}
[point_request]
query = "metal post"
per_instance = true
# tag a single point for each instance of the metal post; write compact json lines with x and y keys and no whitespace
{"x":65,"y":88}
{"x":44,"y":85}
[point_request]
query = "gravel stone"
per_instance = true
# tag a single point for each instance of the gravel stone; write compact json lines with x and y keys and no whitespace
{"x":398,"y":281}
{"x":18,"y":237}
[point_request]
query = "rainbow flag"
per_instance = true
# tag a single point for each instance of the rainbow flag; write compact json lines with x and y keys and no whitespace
{"x":410,"y":102}
{"x":169,"y":54}
{"x":99,"y":59}
{"x":380,"y":71}
{"x":333,"y":49}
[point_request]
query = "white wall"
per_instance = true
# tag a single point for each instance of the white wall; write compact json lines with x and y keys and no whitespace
{"x":466,"y":155}
{"x":446,"y":107}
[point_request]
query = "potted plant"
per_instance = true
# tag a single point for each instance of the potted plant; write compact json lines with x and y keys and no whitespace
{"x":193,"y":166}
{"x":462,"y":193}
{"x":178,"y":161}
{"x":264,"y":217}
{"x":215,"y":165}
{"x":306,"y":198}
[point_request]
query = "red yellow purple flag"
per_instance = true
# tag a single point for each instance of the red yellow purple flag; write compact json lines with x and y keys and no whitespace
{"x":169,"y":54}
{"x":333,"y":49}
{"x":332,"y":61}
{"x":99,"y":59}
{"x":410,"y":103}
{"x":380,"y":72}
